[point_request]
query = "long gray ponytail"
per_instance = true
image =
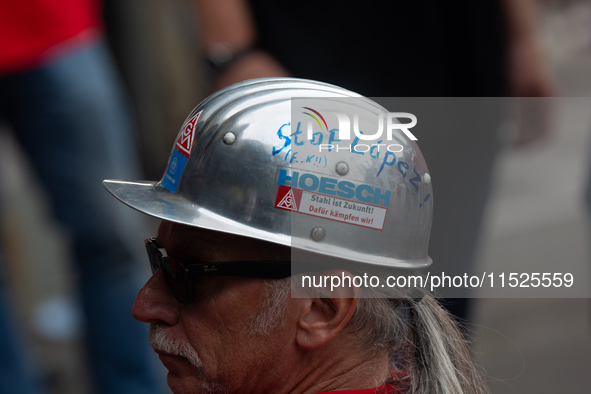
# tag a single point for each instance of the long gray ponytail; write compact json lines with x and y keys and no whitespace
{"x":424,"y":343}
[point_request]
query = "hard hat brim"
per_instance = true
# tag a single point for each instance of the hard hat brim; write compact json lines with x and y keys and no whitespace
{"x":154,"y":200}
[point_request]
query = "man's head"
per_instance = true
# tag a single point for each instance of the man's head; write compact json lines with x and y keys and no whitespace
{"x":242,"y":334}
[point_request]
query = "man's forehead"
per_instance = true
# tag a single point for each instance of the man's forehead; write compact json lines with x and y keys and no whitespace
{"x":174,"y":235}
{"x":180,"y":239}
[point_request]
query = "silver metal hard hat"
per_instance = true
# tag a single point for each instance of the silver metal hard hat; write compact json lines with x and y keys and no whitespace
{"x":259,"y":159}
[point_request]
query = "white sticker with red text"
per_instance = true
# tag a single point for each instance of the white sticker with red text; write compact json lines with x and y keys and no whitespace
{"x":332,"y":208}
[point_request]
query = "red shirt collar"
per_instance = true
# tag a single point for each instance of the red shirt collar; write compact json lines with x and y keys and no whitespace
{"x":387,"y":389}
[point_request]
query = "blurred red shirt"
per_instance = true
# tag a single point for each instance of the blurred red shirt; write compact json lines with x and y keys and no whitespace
{"x":34,"y":31}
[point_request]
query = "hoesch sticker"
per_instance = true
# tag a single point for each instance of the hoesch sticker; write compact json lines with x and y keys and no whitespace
{"x":180,"y":154}
{"x":320,"y":196}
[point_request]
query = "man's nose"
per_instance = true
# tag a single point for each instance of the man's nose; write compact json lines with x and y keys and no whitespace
{"x":155,"y":303}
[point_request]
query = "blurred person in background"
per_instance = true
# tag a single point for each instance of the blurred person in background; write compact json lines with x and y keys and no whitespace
{"x":400,"y":49}
{"x":61,"y":98}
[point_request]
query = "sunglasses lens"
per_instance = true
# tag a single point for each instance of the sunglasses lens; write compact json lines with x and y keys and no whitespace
{"x":154,"y":256}
{"x":179,"y":281}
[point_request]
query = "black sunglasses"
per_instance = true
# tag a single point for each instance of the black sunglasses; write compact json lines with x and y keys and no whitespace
{"x":179,"y":274}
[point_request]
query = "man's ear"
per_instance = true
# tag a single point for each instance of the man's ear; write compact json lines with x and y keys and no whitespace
{"x":324,"y":316}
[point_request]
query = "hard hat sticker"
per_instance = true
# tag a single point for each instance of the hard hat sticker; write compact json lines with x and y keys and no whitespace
{"x":180,"y":154}
{"x":299,"y":196}
{"x":288,"y":198}
{"x":174,"y":171}
{"x":185,"y":141}
{"x":332,"y":208}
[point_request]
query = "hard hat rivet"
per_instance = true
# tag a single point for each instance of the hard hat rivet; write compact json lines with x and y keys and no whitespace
{"x":229,"y":138}
{"x":342,"y":168}
{"x":318,"y":234}
{"x":426,"y":178}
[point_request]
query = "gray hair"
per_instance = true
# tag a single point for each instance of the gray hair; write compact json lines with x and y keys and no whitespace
{"x":271,"y":314}
{"x":422,"y":339}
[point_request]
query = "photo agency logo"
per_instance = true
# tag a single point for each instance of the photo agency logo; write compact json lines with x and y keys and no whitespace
{"x":361,"y":139}
{"x":326,"y":130}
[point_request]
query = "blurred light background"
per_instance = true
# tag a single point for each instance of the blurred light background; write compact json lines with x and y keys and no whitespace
{"x":536,"y":210}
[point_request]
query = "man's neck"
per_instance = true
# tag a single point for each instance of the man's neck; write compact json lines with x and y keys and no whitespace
{"x":334,"y":369}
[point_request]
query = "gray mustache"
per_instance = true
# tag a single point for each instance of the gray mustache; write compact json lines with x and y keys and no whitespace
{"x":161,"y":339}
